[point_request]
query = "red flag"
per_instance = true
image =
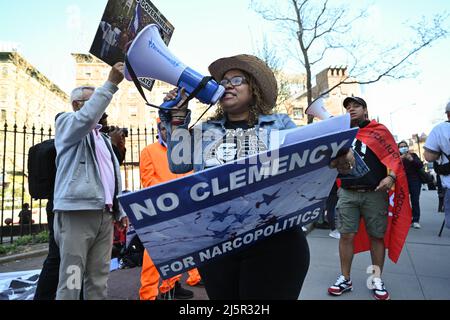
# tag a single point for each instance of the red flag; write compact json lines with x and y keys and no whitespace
{"x":378,"y":138}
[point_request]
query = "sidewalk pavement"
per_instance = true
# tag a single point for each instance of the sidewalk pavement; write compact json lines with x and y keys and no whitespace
{"x":422,"y":272}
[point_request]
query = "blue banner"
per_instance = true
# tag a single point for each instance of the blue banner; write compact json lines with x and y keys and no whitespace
{"x":190,"y":221}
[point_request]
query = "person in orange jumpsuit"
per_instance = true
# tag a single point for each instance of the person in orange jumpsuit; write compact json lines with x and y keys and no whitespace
{"x":154,"y":169}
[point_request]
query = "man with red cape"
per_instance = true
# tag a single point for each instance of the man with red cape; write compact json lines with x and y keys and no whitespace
{"x":373,"y":211}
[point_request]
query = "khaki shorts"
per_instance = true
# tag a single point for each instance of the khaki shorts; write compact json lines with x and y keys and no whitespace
{"x":372,"y":206}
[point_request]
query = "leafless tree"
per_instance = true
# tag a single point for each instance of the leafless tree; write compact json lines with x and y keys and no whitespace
{"x":320,"y":30}
{"x":268,"y":54}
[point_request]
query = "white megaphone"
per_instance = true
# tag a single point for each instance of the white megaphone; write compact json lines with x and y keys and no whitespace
{"x":149,"y":57}
{"x":317,"y":109}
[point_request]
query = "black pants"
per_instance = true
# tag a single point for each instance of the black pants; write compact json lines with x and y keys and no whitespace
{"x":48,"y":280}
{"x":331,"y":207}
{"x":273,"y":269}
{"x":414,"y":191}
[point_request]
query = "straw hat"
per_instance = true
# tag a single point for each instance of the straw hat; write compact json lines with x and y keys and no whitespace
{"x":252,"y":65}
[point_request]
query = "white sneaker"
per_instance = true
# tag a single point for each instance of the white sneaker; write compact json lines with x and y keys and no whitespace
{"x":335,"y":234}
{"x":340,"y":286}
{"x":379,"y":290}
{"x":416,"y":225}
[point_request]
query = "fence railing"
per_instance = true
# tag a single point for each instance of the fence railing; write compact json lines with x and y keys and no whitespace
{"x":16,"y":141}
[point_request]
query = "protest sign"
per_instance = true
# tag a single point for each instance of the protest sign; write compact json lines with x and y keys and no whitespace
{"x":120,"y":24}
{"x":188,"y":222}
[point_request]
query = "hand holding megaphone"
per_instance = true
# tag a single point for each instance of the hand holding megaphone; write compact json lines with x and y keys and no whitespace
{"x":149,"y":57}
{"x":176,"y":97}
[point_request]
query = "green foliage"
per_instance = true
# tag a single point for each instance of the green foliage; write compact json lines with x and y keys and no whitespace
{"x":7,"y":249}
{"x":19,"y":244}
{"x":24,"y":240}
{"x":41,"y":237}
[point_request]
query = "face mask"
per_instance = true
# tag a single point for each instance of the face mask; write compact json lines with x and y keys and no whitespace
{"x":403,"y":150}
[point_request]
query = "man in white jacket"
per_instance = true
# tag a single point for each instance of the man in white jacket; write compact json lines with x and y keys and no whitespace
{"x":86,"y":188}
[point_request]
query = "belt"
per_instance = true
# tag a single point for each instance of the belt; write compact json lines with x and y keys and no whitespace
{"x":361,"y":189}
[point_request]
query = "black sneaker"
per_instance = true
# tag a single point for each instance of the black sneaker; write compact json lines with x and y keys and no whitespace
{"x":180,"y":293}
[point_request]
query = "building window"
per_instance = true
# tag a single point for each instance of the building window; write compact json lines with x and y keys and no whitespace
{"x":298,"y":113}
{"x":3,"y":115}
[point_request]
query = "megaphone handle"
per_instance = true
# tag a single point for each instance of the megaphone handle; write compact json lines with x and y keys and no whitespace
{"x":172,"y":103}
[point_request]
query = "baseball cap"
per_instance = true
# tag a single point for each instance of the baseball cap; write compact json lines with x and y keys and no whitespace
{"x":355,"y":99}
{"x":447,"y":108}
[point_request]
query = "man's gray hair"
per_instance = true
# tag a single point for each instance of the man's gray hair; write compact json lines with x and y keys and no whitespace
{"x":77,"y":93}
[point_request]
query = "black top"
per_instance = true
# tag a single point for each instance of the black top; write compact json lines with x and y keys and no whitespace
{"x":243,"y":124}
{"x":412,"y":167}
{"x":25,"y":216}
{"x":378,"y":170}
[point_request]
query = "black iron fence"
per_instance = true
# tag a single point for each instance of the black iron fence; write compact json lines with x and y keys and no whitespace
{"x":16,"y":142}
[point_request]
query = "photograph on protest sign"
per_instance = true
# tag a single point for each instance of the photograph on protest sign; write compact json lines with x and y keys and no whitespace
{"x":121,"y":23}
{"x":190,"y":221}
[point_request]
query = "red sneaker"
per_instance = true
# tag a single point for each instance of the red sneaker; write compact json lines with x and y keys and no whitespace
{"x":379,"y":291}
{"x":340,"y":286}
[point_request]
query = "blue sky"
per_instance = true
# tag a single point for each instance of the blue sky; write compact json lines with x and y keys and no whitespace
{"x":47,"y":31}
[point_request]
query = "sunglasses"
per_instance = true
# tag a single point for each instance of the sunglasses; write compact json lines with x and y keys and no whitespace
{"x":235,"y":81}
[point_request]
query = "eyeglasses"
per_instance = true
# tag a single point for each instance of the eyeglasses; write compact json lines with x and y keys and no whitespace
{"x":235,"y":81}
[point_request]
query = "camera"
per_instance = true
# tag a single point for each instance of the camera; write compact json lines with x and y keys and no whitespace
{"x":108,"y":129}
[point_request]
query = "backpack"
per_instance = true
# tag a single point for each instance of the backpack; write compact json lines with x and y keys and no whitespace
{"x":133,"y":255}
{"x":42,"y":169}
{"x":442,"y":169}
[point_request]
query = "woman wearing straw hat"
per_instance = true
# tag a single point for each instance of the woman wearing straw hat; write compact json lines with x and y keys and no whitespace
{"x":273,"y":268}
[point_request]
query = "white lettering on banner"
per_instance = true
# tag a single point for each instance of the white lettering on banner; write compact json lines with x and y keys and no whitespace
{"x":239,"y":179}
{"x":168,"y":196}
{"x":279,"y":165}
{"x":297,"y":160}
{"x":336,"y":148}
{"x":256,"y":175}
{"x":177,"y":266}
{"x":148,"y":210}
{"x":319,"y":150}
{"x":195,"y":194}
{"x":216,"y":188}
{"x":228,"y":246}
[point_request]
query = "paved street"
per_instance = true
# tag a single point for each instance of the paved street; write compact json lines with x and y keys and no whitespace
{"x":422,"y":272}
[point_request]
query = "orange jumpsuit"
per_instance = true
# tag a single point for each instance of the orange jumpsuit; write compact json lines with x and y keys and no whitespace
{"x":154,"y":169}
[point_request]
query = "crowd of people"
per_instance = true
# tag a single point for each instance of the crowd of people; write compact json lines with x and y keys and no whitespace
{"x":84,"y":208}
